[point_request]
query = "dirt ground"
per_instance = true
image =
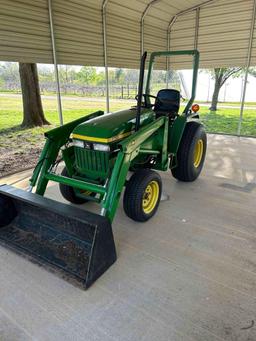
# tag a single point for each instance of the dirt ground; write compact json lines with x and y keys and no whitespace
{"x":19,"y":150}
{"x":14,"y":161}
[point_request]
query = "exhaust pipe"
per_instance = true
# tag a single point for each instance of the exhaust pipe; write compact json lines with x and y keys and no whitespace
{"x":140,"y":90}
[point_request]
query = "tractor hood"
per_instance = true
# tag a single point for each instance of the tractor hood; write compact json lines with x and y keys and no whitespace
{"x":111,"y":127}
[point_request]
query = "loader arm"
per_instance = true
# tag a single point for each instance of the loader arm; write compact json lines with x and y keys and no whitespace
{"x":130,"y":149}
{"x":55,"y":139}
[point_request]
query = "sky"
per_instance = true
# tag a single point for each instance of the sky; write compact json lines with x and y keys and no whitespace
{"x":231,"y":91}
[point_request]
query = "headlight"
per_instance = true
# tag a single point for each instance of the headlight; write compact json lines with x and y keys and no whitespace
{"x":91,"y":146}
{"x":101,"y":147}
{"x":78,"y":143}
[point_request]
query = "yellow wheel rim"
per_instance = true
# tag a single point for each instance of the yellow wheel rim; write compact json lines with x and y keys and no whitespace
{"x":150,"y":197}
{"x":86,"y":193}
{"x":198,"y":153}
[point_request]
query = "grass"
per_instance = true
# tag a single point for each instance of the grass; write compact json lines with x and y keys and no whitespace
{"x":11,"y":134}
{"x":20,"y":148}
{"x":226,"y":121}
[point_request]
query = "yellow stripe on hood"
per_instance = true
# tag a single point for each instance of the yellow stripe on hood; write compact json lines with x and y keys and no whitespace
{"x":100,"y":139}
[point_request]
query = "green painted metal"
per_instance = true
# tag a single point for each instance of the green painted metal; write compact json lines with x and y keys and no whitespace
{"x":95,"y":164}
{"x":130,"y":148}
{"x":55,"y":139}
{"x":149,"y":151}
{"x":105,"y":173}
{"x":165,"y":158}
{"x":113,"y":124}
{"x":83,"y":185}
{"x":134,"y":141}
{"x":50,"y":158}
{"x":61,"y":134}
{"x":38,"y":167}
{"x":115,"y":186}
{"x":69,"y":159}
{"x":175,"y":134}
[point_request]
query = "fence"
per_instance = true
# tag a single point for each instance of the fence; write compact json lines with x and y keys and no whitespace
{"x":125,"y":91}
{"x":225,"y":120}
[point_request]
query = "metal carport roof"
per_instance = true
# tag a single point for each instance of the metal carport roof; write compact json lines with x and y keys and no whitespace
{"x":219,"y":28}
{"x":116,"y":32}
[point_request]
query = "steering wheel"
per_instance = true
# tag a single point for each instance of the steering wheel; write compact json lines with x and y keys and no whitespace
{"x":161,"y":101}
{"x":145,"y":96}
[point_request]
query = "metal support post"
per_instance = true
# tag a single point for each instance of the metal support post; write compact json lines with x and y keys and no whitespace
{"x":248,"y":63}
{"x":104,"y":28}
{"x":56,"y":71}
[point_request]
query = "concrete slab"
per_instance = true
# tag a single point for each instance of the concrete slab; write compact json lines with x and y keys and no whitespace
{"x":188,"y":274}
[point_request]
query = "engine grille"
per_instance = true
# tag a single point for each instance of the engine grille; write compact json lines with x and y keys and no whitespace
{"x":91,"y":160}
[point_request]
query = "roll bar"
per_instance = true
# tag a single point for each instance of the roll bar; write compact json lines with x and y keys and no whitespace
{"x":194,"y":53}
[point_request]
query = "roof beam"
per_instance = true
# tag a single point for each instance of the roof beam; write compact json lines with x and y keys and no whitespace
{"x":197,"y":28}
{"x":105,"y":50}
{"x":175,"y":17}
{"x":145,"y":12}
{"x":193,"y":8}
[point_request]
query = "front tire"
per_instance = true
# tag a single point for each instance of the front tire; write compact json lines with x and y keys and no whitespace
{"x":142,"y":195}
{"x":191,"y":153}
{"x":68,"y":192}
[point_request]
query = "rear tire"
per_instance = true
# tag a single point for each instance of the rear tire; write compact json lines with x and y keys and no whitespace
{"x":191,"y":153}
{"x":68,"y":192}
{"x":142,"y":195}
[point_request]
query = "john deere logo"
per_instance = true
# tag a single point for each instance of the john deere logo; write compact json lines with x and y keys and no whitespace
{"x":87,"y":145}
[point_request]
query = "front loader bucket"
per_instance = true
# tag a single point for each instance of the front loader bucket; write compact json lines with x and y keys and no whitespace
{"x":78,"y":243}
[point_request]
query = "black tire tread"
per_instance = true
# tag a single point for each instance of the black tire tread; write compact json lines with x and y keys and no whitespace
{"x":182,"y":171}
{"x":68,"y":192}
{"x":134,"y":190}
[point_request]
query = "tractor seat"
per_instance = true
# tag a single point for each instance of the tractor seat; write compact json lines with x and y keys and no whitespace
{"x":167,"y":103}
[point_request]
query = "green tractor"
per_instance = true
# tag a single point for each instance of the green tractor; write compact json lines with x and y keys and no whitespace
{"x":98,"y":152}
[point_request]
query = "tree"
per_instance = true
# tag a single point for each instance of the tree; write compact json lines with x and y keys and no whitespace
{"x":252,"y":71}
{"x":9,"y":72}
{"x":220,"y":76}
{"x":33,"y":114}
{"x":87,"y":75}
{"x":45,"y":74}
{"x":119,"y":76}
{"x":131,"y":76}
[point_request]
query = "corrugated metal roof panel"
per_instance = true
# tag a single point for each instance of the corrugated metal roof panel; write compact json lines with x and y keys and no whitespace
{"x":222,"y":38}
{"x":78,"y":30}
{"x":25,"y":33}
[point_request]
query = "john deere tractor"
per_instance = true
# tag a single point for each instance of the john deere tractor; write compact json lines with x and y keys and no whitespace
{"x":99,"y":152}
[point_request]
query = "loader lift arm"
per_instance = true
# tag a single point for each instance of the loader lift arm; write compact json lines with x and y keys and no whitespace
{"x":55,"y":139}
{"x":130,"y":148}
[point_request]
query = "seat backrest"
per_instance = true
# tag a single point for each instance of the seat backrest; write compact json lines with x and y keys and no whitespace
{"x":167,"y":102}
